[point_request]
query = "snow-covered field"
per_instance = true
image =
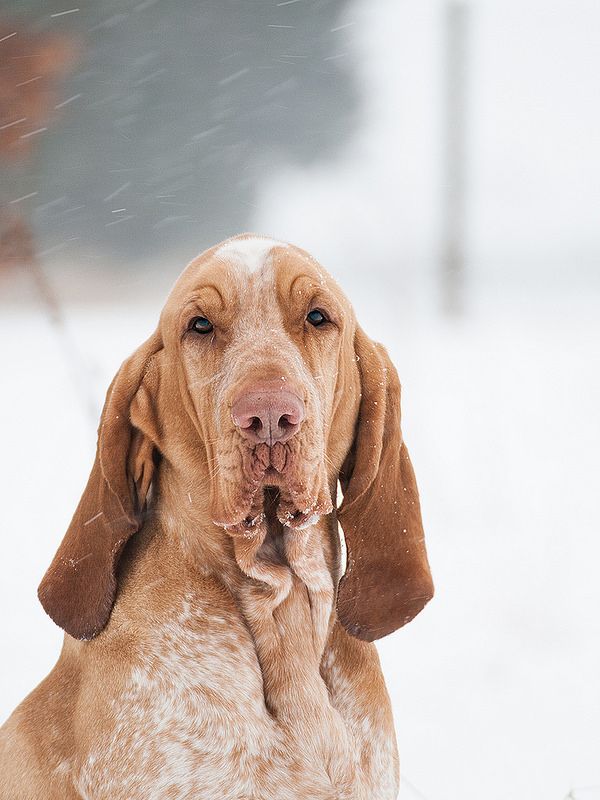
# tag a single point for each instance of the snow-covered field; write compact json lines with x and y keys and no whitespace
{"x":495,"y":686}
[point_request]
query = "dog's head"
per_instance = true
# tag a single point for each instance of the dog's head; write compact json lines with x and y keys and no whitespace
{"x":259,"y":329}
{"x":257,"y":376}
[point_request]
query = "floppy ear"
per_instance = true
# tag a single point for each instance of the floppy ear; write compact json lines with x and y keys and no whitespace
{"x":78,"y":590}
{"x":387,"y":580}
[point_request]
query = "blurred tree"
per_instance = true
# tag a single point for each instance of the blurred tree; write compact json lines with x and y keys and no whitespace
{"x":179,"y":110}
{"x":28,"y":106}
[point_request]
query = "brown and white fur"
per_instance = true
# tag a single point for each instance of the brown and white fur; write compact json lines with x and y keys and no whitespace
{"x":213,"y":648}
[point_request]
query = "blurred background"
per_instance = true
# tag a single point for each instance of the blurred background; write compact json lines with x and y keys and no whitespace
{"x":441,"y":159}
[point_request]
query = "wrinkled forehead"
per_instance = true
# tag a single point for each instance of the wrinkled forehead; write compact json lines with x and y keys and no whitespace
{"x":252,"y":268}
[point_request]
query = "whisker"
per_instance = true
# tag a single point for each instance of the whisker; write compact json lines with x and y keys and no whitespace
{"x":216,"y":471}
{"x":328,"y":460}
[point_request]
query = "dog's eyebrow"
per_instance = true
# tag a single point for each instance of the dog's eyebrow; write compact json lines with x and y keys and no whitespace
{"x":308,"y":283}
{"x":202,"y":295}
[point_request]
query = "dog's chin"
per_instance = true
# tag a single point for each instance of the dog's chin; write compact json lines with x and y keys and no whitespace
{"x":300,"y":494}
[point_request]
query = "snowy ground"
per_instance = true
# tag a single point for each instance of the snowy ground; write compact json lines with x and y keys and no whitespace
{"x":495,"y":686}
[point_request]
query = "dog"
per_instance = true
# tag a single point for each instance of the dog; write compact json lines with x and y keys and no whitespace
{"x":215,"y":646}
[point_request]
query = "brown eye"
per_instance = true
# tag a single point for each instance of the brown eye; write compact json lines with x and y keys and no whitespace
{"x":201,"y":325}
{"x":316,"y":317}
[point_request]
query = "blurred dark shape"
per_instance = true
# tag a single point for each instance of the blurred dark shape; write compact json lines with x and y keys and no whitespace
{"x":32,"y":68}
{"x":455,"y":65}
{"x":16,"y":239}
{"x":180,"y":111}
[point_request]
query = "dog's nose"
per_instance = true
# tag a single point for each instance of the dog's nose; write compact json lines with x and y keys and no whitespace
{"x":268,"y":416}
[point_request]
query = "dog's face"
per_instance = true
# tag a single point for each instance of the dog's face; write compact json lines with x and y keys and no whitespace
{"x":257,"y":377}
{"x":263,"y":333}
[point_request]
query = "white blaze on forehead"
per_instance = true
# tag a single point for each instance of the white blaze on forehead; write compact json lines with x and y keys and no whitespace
{"x":251,"y":253}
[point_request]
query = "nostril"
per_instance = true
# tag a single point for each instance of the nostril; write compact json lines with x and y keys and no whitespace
{"x":255,"y":424}
{"x":285,"y":422}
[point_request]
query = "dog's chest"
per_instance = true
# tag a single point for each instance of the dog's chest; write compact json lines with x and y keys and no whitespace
{"x":190,"y":721}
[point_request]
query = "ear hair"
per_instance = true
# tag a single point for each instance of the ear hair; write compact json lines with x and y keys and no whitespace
{"x":387,"y":580}
{"x":79,"y":588}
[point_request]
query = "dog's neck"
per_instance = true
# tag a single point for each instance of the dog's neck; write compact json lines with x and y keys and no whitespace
{"x":282,"y":580}
{"x":261,"y":565}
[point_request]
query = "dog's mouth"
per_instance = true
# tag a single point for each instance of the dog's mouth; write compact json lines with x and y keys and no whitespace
{"x":295,"y":488}
{"x":274,"y":462}
{"x":287,"y":515}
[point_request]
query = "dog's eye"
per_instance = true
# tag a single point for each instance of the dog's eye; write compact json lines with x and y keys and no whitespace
{"x":201,"y":325}
{"x":316,"y":317}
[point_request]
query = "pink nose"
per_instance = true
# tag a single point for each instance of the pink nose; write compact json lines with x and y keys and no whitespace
{"x":271,"y":415}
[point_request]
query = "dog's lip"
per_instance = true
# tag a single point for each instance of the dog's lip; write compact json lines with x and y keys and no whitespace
{"x":272,"y":478}
{"x":299,"y":518}
{"x":247,"y":524}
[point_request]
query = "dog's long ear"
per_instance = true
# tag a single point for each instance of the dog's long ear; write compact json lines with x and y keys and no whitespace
{"x":387,"y":580}
{"x":78,"y":590}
